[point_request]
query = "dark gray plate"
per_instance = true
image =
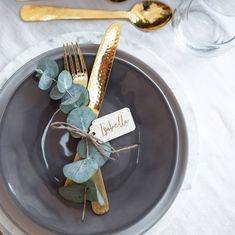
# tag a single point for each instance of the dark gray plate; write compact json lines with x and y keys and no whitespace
{"x":141,"y":185}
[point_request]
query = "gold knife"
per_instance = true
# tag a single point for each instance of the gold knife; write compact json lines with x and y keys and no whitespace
{"x":97,"y":86}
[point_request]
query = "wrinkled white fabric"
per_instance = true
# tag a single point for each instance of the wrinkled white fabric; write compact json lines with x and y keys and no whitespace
{"x":208,"y":82}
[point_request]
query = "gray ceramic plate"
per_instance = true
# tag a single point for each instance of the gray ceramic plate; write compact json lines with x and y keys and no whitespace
{"x":141,"y":185}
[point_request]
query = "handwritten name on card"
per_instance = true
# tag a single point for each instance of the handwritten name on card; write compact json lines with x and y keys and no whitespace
{"x":113,"y":125}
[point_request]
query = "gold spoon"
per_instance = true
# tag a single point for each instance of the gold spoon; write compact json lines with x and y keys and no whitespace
{"x":146,"y":15}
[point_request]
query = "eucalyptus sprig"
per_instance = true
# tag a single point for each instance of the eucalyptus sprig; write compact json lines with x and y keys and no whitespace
{"x":47,"y":70}
{"x":75,"y":192}
{"x":74,"y":100}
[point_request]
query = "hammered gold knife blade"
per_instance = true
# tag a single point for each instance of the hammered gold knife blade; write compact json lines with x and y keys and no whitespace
{"x":97,"y":86}
{"x":102,"y":67}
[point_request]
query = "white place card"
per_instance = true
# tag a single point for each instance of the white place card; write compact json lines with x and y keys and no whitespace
{"x":113,"y":125}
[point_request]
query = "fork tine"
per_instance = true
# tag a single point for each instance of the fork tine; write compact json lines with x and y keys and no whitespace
{"x":77,"y":65}
{"x":71,"y":61}
{"x":66,"y":65}
{"x":83,"y":65}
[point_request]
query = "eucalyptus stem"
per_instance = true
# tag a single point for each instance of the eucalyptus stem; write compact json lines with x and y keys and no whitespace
{"x":84,"y":205}
{"x":98,"y":144}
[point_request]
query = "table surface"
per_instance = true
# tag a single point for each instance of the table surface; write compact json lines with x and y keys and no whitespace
{"x":209,"y":84}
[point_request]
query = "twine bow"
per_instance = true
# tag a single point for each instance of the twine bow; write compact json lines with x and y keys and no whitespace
{"x":99,"y":144}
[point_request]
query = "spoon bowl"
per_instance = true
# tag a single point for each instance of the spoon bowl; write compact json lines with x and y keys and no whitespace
{"x":150,"y":15}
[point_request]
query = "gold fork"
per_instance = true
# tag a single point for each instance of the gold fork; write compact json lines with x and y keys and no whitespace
{"x":80,"y":76}
{"x":79,"y":71}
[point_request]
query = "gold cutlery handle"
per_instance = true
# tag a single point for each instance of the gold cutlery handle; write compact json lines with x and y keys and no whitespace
{"x":96,"y":207}
{"x":47,"y":13}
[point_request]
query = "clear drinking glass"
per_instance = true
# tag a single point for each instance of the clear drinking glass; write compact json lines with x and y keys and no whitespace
{"x":205,"y":26}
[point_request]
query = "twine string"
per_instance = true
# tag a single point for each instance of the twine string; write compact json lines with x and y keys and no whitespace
{"x":99,"y":144}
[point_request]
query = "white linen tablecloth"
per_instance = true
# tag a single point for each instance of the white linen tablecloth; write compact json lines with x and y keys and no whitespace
{"x":208,"y":82}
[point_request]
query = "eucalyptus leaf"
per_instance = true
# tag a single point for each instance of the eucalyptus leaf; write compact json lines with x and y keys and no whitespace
{"x":91,"y":190}
{"x":47,"y":63}
{"x":55,"y":94}
{"x":80,"y":171}
{"x":65,"y":81}
{"x":76,"y":93}
{"x":75,"y":97}
{"x":93,"y":193}
{"x":39,"y":73}
{"x":70,"y":104}
{"x":85,"y":148}
{"x":74,"y":192}
{"x":67,"y":108}
{"x":81,"y":117}
{"x":46,"y":80}
{"x":71,"y":101}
